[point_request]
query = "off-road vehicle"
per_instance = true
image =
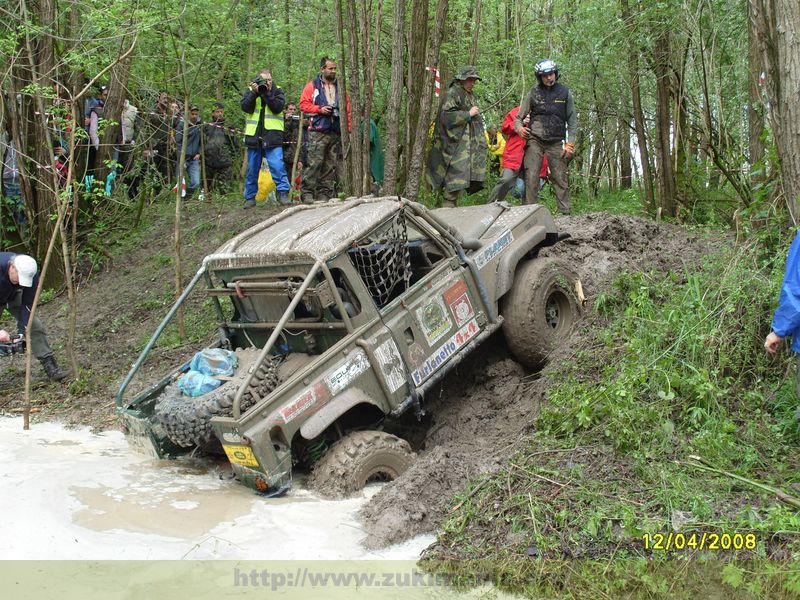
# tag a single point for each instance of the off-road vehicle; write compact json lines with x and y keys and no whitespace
{"x":345,"y":314}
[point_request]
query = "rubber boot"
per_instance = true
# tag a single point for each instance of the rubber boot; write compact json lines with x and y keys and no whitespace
{"x":52,"y":369}
{"x":283,"y":198}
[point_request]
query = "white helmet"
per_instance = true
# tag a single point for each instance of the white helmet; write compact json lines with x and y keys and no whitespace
{"x":26,"y":269}
{"x":545,"y":66}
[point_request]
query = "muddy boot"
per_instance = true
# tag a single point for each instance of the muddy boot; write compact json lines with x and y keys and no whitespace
{"x":52,"y":369}
{"x":283,"y":198}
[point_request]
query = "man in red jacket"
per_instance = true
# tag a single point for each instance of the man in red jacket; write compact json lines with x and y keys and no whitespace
{"x":323,"y":100}
{"x":512,"y":158}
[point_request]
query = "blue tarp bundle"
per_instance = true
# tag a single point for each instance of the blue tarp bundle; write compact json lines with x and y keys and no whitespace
{"x":205,"y":365}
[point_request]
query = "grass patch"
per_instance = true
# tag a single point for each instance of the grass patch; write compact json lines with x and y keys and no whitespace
{"x":671,"y":418}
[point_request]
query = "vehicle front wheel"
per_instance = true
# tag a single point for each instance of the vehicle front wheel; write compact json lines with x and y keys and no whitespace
{"x":539,"y":310}
{"x":359,"y":458}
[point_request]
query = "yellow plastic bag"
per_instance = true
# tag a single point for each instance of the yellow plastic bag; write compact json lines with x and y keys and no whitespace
{"x":265,"y":184}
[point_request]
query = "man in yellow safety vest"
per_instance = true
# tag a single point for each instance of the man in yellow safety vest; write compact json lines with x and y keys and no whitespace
{"x":263,"y":104}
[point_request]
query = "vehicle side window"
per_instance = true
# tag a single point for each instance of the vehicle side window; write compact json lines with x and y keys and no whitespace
{"x":348,"y":296}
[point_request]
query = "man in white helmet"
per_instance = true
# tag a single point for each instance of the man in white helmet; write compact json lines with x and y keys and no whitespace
{"x":552,"y":130}
{"x":18,"y":283}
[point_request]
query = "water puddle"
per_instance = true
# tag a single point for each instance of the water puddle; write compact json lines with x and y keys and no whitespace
{"x":71,"y":494}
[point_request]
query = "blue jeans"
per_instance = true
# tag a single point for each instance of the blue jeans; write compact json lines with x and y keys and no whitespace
{"x":193,"y":173}
{"x":276,"y":168}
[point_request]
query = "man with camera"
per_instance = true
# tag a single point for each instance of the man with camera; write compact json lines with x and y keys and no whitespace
{"x":263,"y":104}
{"x":18,"y":283}
{"x":322,"y":99}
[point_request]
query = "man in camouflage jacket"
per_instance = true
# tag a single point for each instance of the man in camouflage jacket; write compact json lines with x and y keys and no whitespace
{"x":457,"y":160}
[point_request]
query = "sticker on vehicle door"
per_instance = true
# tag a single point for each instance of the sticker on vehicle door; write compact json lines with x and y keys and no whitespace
{"x":388,"y":356}
{"x":434,"y":362}
{"x":341,"y":377}
{"x":458,"y":300}
{"x":434,"y":320}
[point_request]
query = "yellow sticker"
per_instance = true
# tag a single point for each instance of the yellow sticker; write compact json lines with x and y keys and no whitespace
{"x":241,"y":455}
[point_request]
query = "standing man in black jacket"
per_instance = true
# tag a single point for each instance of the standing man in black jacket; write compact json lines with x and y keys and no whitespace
{"x":552,"y":129}
{"x":192,"y":157}
{"x":18,"y":283}
{"x":263,"y":104}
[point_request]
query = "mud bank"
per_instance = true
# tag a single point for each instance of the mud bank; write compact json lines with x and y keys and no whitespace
{"x":489,"y":402}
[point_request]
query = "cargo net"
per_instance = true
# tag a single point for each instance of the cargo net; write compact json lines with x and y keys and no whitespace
{"x":383,"y":260}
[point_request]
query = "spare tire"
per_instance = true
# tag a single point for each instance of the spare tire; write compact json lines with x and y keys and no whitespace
{"x":540,"y":309}
{"x":187,"y":421}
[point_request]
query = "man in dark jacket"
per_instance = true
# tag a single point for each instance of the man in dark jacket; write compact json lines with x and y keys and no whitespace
{"x":220,"y":147}
{"x":291,"y":130}
{"x":552,"y":130}
{"x":18,"y":283}
{"x":263,"y":104}
{"x":192,"y":151}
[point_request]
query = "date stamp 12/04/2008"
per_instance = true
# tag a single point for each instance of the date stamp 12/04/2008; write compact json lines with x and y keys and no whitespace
{"x":699,"y":540}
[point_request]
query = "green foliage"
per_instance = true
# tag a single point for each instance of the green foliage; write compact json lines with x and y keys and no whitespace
{"x":678,"y":370}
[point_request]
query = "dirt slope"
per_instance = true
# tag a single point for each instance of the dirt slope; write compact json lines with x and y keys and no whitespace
{"x":119,"y":305}
{"x":489,"y":402}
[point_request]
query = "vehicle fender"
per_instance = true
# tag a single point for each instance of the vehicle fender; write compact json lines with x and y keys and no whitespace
{"x":507,"y":265}
{"x":327,"y":415}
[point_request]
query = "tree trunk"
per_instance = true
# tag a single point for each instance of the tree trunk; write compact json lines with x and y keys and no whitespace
{"x":473,"y":49}
{"x":415,"y":163}
{"x":349,"y":75}
{"x":624,"y":138}
{"x":755,"y":105}
{"x":395,"y":101}
{"x":638,"y":118}
{"x":666,"y":173}
{"x":416,"y":76}
{"x":112,"y":111}
{"x":37,"y":170}
{"x":778,"y":23}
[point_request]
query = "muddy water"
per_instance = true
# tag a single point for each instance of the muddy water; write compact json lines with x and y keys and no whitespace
{"x":71,"y":494}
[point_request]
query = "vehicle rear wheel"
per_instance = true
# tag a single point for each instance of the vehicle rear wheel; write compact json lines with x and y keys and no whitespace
{"x":359,"y":458}
{"x":187,"y":421}
{"x":539,"y":310}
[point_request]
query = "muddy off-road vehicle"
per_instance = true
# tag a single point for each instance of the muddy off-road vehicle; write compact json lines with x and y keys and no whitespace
{"x":343,"y":316}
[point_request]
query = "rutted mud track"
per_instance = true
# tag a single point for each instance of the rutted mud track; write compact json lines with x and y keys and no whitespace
{"x":489,"y":402}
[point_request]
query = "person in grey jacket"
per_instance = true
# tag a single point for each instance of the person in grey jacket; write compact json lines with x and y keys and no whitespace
{"x":552,"y":130}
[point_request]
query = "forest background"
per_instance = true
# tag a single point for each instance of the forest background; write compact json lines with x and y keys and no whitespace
{"x":684,"y":102}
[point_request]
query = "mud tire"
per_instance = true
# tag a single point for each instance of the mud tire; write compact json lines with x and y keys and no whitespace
{"x":539,"y":310}
{"x":187,"y":421}
{"x":358,"y":458}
